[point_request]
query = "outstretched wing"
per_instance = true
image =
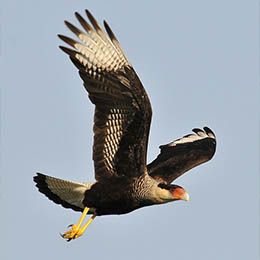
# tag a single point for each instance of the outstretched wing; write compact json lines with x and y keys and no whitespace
{"x":123,"y":111}
{"x":183,"y":154}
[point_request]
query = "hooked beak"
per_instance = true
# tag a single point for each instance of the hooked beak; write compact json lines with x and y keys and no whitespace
{"x":180,"y":194}
{"x":185,"y":196}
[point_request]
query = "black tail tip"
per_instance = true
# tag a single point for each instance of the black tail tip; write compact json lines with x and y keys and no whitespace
{"x":39,"y":178}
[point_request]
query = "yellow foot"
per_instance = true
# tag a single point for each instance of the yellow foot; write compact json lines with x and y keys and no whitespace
{"x":72,"y":233}
{"x":76,"y":230}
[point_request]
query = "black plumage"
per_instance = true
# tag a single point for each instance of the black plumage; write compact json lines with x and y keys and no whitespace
{"x":124,"y":181}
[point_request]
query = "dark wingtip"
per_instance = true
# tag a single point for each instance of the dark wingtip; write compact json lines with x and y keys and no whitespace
{"x":105,"y":23}
{"x":107,"y":27}
{"x":83,"y":22}
{"x":109,"y":31}
{"x":88,"y":13}
{"x":68,"y":40}
{"x":90,"y":16}
{"x":68,"y":51}
{"x":67,"y":23}
{"x":73,"y":28}
{"x":209,"y":131}
{"x":78,"y":16}
{"x":93,"y":20}
{"x":62,"y":37}
{"x":197,"y":130}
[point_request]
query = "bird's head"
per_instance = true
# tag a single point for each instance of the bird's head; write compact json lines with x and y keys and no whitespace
{"x":171,"y":192}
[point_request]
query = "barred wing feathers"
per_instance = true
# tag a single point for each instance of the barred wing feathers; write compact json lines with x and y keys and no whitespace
{"x":183,"y":154}
{"x":122,"y":108}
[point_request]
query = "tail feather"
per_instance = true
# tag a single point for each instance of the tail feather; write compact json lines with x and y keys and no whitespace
{"x":66,"y":193}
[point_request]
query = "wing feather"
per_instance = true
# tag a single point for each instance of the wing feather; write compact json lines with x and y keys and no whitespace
{"x":183,"y":154}
{"x":122,"y":108}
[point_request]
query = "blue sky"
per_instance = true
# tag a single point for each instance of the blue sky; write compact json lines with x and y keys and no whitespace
{"x":198,"y":61}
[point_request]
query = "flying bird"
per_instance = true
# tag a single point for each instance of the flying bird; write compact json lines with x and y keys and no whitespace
{"x":124,"y":181}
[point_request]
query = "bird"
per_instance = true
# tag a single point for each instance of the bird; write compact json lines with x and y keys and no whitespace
{"x":124,"y":181}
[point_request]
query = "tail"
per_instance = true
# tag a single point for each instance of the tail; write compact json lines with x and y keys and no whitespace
{"x":66,"y":193}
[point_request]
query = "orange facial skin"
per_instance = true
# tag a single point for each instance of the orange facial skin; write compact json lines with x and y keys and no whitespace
{"x":179,"y":193}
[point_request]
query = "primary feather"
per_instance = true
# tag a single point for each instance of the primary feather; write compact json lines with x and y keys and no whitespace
{"x":123,"y":111}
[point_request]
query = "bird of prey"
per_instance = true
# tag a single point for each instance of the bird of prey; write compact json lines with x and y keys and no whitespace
{"x":124,"y":181}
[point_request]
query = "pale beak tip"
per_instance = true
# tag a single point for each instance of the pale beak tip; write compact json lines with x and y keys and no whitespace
{"x":185,"y":196}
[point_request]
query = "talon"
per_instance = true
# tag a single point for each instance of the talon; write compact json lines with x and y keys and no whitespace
{"x":70,"y":225}
{"x":76,"y":231}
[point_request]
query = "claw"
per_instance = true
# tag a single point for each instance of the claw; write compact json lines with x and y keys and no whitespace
{"x":71,"y":233}
{"x":67,"y":239}
{"x":62,"y":235}
{"x":76,"y":230}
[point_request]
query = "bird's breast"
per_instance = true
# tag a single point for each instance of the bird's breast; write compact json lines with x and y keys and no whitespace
{"x":112,"y":196}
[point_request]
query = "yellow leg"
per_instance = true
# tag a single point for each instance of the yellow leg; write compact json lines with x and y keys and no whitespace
{"x":75,"y":230}
{"x":82,"y":230}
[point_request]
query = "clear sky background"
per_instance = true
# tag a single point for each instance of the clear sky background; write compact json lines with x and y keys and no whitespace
{"x":198,"y":61}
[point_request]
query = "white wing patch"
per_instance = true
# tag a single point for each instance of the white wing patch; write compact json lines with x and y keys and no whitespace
{"x":199,"y":135}
{"x":98,"y":51}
